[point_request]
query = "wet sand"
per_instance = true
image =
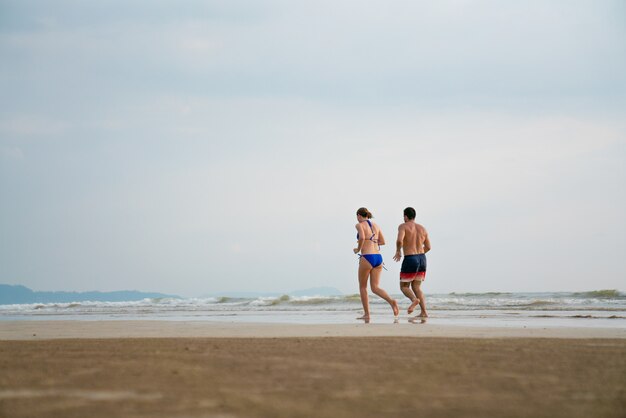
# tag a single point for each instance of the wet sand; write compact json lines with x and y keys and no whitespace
{"x":36,"y":330}
{"x":292,"y":376}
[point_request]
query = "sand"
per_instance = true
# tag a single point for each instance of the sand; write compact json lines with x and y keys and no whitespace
{"x":35,"y":330}
{"x":217,"y":370}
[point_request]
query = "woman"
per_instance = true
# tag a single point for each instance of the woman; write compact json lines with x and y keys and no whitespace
{"x":371,"y":262}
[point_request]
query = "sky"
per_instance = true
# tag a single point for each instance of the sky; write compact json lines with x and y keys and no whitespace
{"x":197,"y":147}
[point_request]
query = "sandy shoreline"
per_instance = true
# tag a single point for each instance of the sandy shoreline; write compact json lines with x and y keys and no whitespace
{"x":321,"y":377}
{"x":199,"y":369}
{"x":38,"y":330}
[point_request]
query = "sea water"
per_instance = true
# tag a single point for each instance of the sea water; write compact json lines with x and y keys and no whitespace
{"x":605,"y":308}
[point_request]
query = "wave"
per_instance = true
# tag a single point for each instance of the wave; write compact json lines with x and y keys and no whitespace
{"x":541,"y":303}
{"x":602,"y":294}
{"x":311,"y":301}
{"x":304,"y":300}
{"x":511,"y":308}
{"x":278,"y":301}
{"x":581,"y":316}
{"x":486,"y":294}
{"x":549,"y":303}
{"x":592,"y":294}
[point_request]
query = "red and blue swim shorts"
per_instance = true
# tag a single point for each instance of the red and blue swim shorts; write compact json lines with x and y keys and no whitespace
{"x":413,"y":268}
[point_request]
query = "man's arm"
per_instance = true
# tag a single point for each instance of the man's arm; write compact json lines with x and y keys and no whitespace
{"x":399,"y":242}
{"x":426,"y":244}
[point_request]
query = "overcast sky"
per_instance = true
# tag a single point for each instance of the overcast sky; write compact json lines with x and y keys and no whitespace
{"x":207,"y":146}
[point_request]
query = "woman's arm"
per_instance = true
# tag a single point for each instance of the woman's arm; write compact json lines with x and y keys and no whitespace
{"x":381,"y":237}
{"x":359,"y":230}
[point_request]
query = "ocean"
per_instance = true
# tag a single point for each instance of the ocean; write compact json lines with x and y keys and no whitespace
{"x":603,"y":308}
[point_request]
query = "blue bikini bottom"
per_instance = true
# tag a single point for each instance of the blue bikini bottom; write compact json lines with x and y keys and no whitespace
{"x":374,"y":259}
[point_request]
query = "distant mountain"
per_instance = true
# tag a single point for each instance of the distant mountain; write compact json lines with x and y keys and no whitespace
{"x":314,"y":291}
{"x":20,"y":294}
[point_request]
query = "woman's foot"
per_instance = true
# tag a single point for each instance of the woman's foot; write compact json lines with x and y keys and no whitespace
{"x":365,"y":317}
{"x":423,"y":314}
{"x":412,"y":306}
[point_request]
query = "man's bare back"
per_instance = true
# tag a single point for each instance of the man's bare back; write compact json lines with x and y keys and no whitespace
{"x":414,"y":242}
{"x":413,"y":238}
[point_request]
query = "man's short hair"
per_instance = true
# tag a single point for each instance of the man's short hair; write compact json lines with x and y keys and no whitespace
{"x":409,"y":213}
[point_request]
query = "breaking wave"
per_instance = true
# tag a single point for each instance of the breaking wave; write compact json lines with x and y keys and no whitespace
{"x":602,"y":294}
{"x":582,"y":303}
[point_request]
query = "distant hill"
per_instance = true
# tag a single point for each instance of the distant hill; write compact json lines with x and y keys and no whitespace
{"x":314,"y":291}
{"x":10,"y":294}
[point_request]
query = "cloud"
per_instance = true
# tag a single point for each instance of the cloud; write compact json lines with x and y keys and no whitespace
{"x":11,"y":153}
{"x":477,"y":53}
{"x":163,"y":141}
{"x":31,"y":125}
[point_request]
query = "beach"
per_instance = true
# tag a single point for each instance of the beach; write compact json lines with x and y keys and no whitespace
{"x":209,"y":369}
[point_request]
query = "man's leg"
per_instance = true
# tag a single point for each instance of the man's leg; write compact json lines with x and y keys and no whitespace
{"x":416,"y":285}
{"x":408,"y":292}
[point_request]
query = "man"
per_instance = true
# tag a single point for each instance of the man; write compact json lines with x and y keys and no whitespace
{"x":413,"y":240}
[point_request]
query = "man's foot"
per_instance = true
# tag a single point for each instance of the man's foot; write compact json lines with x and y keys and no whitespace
{"x":365,"y":317}
{"x":413,"y":305}
{"x":394,"y":306}
{"x":423,"y":314}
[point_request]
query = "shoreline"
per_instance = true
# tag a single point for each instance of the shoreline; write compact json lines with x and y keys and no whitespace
{"x":34,"y":330}
{"x":302,"y":377}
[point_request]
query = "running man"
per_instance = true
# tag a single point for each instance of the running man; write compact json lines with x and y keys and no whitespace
{"x":413,"y":240}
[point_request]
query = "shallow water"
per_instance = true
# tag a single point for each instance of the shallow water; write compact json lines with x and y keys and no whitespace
{"x":561,"y":309}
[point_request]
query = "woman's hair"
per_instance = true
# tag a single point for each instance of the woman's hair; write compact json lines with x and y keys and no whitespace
{"x":364,"y":213}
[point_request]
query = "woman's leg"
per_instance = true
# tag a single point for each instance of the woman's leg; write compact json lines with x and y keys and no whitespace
{"x":374,"y":281}
{"x":364,"y":272}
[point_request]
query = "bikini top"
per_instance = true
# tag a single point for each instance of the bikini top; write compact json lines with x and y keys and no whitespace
{"x":374,"y":240}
